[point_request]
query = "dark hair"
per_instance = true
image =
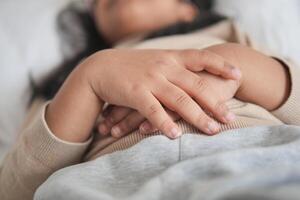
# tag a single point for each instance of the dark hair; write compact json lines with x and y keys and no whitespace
{"x":93,"y":41}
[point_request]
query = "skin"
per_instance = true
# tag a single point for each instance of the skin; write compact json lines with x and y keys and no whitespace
{"x":83,"y":94}
{"x":168,"y":79}
{"x":120,"y":121}
{"x":120,"y":19}
{"x":265,"y":82}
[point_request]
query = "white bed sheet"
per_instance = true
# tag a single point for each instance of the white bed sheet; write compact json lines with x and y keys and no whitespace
{"x":29,"y":44}
{"x":273,"y":24}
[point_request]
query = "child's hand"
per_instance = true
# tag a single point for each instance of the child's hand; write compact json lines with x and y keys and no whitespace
{"x":266,"y":82}
{"x":143,"y":79}
{"x":118,"y":19}
{"x":120,"y":121}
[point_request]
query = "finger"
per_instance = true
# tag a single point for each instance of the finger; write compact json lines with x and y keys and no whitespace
{"x":151,"y":108}
{"x":203,"y":93}
{"x":173,"y":115}
{"x":115,"y":116}
{"x":179,"y":101}
{"x":130,"y":123}
{"x":146,"y":127}
{"x":198,"y":60}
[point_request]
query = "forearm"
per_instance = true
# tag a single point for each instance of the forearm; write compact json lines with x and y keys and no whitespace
{"x":35,"y":156}
{"x":72,"y":113}
{"x":265,"y":80}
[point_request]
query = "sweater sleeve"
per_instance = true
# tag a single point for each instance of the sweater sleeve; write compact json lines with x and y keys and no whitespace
{"x":36,"y":155}
{"x":289,"y":112}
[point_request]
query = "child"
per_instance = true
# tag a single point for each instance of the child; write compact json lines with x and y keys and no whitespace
{"x":59,"y":134}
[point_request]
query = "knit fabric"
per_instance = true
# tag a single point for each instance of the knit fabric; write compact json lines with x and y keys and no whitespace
{"x":38,"y":153}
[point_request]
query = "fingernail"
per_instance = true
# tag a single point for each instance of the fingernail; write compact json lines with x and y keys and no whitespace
{"x":236,"y":73}
{"x":145,"y":127}
{"x":213,"y":127}
{"x":103,"y":129}
{"x":116,"y":131}
{"x":230,"y":117}
{"x":175,"y":133}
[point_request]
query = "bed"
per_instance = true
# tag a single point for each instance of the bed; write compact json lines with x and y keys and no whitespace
{"x":30,"y":47}
{"x":254,"y":163}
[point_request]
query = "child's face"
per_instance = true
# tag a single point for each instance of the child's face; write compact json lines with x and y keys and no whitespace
{"x":118,"y":19}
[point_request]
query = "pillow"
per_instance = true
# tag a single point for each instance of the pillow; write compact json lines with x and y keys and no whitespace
{"x":273,"y":24}
{"x":29,"y":45}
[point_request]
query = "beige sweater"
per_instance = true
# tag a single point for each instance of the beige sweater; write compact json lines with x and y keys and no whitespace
{"x":38,"y":153}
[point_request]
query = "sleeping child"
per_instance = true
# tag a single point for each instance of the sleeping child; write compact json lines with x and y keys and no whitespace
{"x":189,"y":88}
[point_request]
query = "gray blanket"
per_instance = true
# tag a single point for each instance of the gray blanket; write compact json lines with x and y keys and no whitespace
{"x":253,"y":163}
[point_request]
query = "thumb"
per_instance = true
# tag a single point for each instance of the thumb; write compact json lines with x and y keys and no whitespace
{"x":186,"y":12}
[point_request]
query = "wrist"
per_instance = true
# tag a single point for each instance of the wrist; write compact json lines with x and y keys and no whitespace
{"x":91,"y":72}
{"x":72,"y":113}
{"x":266,"y":81}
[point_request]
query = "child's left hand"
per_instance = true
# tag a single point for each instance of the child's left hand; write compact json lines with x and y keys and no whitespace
{"x":120,"y":121}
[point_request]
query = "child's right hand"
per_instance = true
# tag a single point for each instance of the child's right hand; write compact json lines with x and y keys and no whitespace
{"x":144,"y":80}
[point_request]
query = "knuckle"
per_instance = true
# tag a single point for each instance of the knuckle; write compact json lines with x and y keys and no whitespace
{"x":166,"y":54}
{"x":152,"y":110}
{"x":220,"y":107}
{"x":201,"y":119}
{"x":182,"y":99}
{"x":164,"y":125}
{"x":165,"y":59}
{"x":124,"y":126}
{"x":204,"y":54}
{"x":152,"y":74}
{"x":200,"y":85}
{"x":207,"y":56}
{"x":137,"y":88}
{"x":213,"y":59}
{"x":191,"y":52}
